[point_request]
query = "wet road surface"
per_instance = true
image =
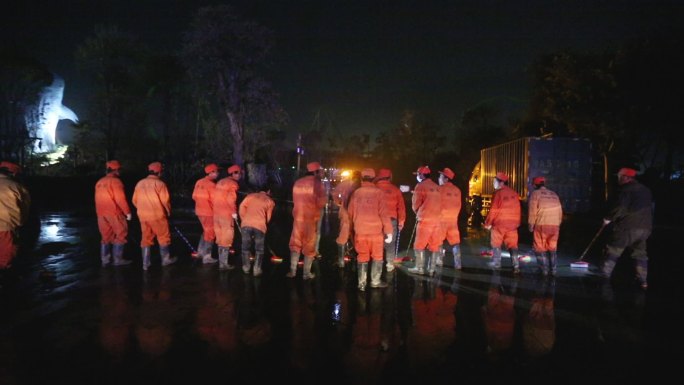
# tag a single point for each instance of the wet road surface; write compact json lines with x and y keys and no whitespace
{"x":65,"y":319}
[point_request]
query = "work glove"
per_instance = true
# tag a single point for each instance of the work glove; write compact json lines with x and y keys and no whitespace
{"x":606,"y":222}
{"x":401,"y":226}
{"x":129,"y":216}
{"x":531,"y":228}
{"x":388,"y":238}
{"x":488,"y":227}
{"x":234,"y":215}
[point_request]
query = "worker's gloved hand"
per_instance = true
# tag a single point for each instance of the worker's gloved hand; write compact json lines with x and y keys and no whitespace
{"x":388,"y":238}
{"x":531,"y":228}
{"x":129,"y":216}
{"x":401,"y":226}
{"x":234,"y":216}
{"x":488,"y":227}
{"x":606,"y":222}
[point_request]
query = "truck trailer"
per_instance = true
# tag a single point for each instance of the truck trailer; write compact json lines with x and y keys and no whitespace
{"x":566,"y":164}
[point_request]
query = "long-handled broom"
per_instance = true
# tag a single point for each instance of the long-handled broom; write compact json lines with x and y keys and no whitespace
{"x":580,"y":264}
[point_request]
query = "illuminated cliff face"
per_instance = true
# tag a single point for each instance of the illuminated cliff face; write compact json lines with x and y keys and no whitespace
{"x":42,"y":118}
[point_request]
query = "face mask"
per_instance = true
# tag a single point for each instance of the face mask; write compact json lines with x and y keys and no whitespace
{"x":419,"y":178}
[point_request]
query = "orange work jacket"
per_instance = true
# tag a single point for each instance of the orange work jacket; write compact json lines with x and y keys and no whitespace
{"x":225,"y":197}
{"x":451,"y":201}
{"x":394,"y":201}
{"x":367,"y":211}
{"x":309,"y":197}
{"x":151,"y":199}
{"x":202,"y":195}
{"x":544,"y":208}
{"x":110,"y":198}
{"x":505,"y":211}
{"x":426,"y":201}
{"x":256,"y":210}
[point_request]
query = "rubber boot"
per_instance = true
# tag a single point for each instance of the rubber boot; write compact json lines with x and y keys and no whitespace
{"x":205,"y":251}
{"x":457,"y":256}
{"x":376,"y":275}
{"x":419,"y":267}
{"x":306,"y":273}
{"x":117,"y":252}
{"x":256,"y":270}
{"x":432,"y":263}
{"x":224,"y":252}
{"x":105,"y":253}
{"x":146,"y":260}
{"x":440,"y":258}
{"x":165,"y":253}
{"x":294,"y":259}
{"x":642,"y":272}
{"x":515,"y":263}
{"x":340,"y":255}
{"x":543,"y":263}
{"x":246,"y":264}
{"x":608,"y":266}
{"x":362,"y":271}
{"x":553,"y":259}
{"x":200,"y":249}
{"x":495,"y":264}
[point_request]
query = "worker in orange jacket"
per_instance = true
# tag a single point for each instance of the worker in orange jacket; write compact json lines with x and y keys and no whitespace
{"x":15,"y":202}
{"x":427,"y":205}
{"x":153,"y":203}
{"x":503,"y":221}
{"x":309,"y":198}
{"x":255,"y":213}
{"x":545,"y":214}
{"x":202,"y":194}
{"x":226,"y":214}
{"x":451,"y":208}
{"x":113,"y":213}
{"x":340,"y":196}
{"x":396,"y":210}
{"x":370,"y":222}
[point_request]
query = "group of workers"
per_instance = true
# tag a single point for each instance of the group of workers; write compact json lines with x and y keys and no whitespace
{"x":371,"y":213}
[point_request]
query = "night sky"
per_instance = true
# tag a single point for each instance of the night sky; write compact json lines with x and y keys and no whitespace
{"x":361,"y":63}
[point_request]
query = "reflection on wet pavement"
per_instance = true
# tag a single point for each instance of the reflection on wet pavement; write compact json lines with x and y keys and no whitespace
{"x":190,"y":323}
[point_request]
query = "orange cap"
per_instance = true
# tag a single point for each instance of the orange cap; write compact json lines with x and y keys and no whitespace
{"x":113,"y":165}
{"x":234,"y":168}
{"x":368,"y":172}
{"x":539,"y":180}
{"x":626,"y":171}
{"x":11,"y":167}
{"x":313,"y":166}
{"x":422,"y":170}
{"x":448,"y":173}
{"x":155,"y":166}
{"x":502,"y":176}
{"x":384,"y":173}
{"x":211,"y":167}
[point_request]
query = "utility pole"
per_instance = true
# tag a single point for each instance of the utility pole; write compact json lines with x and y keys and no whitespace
{"x":300,"y":151}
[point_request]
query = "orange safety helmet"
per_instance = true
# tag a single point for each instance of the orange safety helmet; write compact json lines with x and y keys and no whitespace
{"x":313,"y":166}
{"x":113,"y":165}
{"x":368,"y":172}
{"x":155,"y":166}
{"x":448,"y":173}
{"x":538,"y":180}
{"x":422,"y":170}
{"x":211,"y":167}
{"x":11,"y":167}
{"x":384,"y":173}
{"x":234,"y":168}
{"x":502,"y":176}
